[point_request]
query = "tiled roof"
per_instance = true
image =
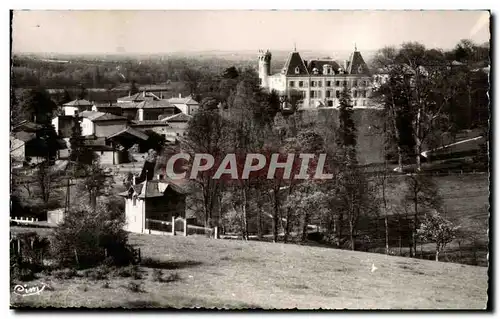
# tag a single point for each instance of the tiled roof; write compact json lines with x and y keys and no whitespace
{"x":179,"y":117}
{"x":27,"y":126}
{"x":150,"y":123}
{"x":110,"y":117}
{"x":78,"y":103}
{"x":295,"y":61}
{"x":152,"y":104}
{"x":182,"y":100}
{"x":25,"y":136}
{"x":130,"y":131}
{"x":91,"y":115}
{"x":100,"y":116}
{"x":139,"y":97}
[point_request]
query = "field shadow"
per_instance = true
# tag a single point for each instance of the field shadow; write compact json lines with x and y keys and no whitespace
{"x":170,"y":265}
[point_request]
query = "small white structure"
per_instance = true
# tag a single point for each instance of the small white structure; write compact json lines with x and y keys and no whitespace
{"x":77,"y":106}
{"x":56,"y":216}
{"x":187,"y":105}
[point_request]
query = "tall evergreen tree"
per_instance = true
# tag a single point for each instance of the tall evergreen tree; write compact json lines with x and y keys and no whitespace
{"x":346,"y":132}
{"x":80,"y":155}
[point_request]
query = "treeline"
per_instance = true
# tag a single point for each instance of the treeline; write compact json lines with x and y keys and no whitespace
{"x":28,"y":72}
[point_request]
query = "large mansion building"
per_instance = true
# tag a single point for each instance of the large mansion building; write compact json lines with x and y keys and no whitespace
{"x":318,"y":82}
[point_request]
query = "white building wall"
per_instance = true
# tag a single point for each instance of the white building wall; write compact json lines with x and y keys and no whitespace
{"x":70,"y":110}
{"x":134,"y":215}
{"x":87,"y":127}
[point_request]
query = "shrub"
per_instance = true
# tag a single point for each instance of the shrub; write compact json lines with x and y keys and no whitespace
{"x":67,"y":273}
{"x":172,"y":277}
{"x":134,"y":287}
{"x":157,"y":275}
{"x":87,"y":234}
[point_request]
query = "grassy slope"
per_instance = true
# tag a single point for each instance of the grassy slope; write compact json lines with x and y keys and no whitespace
{"x":225,"y":273}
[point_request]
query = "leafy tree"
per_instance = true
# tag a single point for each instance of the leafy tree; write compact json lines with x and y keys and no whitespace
{"x":83,"y":92}
{"x":37,"y":105}
{"x":421,"y":195}
{"x":80,"y":154}
{"x":133,"y":88}
{"x":87,"y":234}
{"x":230,"y":73}
{"x":437,"y":229}
{"x":207,"y":133}
{"x":95,"y":182}
{"x":209,"y":104}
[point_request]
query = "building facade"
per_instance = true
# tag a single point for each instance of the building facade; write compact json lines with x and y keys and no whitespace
{"x":317,"y":83}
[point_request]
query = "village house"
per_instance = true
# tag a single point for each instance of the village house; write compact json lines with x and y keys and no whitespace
{"x":151,"y":201}
{"x":77,"y":106}
{"x":170,"y":127}
{"x":187,"y":104}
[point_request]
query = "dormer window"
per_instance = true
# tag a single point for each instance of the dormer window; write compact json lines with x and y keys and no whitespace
{"x":315,"y":71}
{"x":297,"y":70}
{"x":360,"y":69}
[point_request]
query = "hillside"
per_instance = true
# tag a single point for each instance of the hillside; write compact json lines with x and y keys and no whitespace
{"x":236,"y":274}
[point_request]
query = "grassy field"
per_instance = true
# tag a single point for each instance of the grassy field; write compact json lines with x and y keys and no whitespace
{"x":234,"y":274}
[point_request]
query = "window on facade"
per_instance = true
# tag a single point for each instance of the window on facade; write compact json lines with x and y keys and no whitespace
{"x":354,"y":83}
{"x":177,"y":134}
{"x":337,"y":94}
{"x":328,"y":83}
{"x":363,"y":102}
{"x":337,"y":83}
{"x":102,"y":152}
{"x":320,"y":83}
{"x":297,"y":70}
{"x":330,"y":103}
{"x":327,"y":93}
{"x":319,"y":94}
{"x":363,"y":93}
{"x":355,"y":102}
{"x":134,"y":200}
{"x":292,"y":84}
{"x":301,"y":84}
{"x":313,"y":83}
{"x":355,"y":94}
{"x":312,"y":94}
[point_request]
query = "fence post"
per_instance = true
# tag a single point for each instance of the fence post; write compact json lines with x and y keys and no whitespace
{"x":173,"y":225}
{"x":216,"y":232}
{"x":185,"y":227}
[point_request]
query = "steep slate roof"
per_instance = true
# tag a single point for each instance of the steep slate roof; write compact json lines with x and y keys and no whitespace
{"x":293,"y":61}
{"x":78,"y":103}
{"x":179,"y":117}
{"x":154,"y":188}
{"x":357,"y":65}
{"x":319,"y":65}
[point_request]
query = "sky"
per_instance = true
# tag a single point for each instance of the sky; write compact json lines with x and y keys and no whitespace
{"x":174,"y":31}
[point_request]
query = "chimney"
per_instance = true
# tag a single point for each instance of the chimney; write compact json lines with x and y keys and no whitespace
{"x":158,"y":176}
{"x":140,"y":114}
{"x":133,"y":179}
{"x":180,"y":95}
{"x":143,"y":93}
{"x":345,"y":65}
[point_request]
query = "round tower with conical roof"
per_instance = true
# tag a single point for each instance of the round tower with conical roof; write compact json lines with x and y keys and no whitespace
{"x":264,"y":68}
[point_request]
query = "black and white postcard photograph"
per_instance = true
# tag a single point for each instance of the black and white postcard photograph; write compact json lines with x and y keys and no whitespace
{"x":250,"y":159}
